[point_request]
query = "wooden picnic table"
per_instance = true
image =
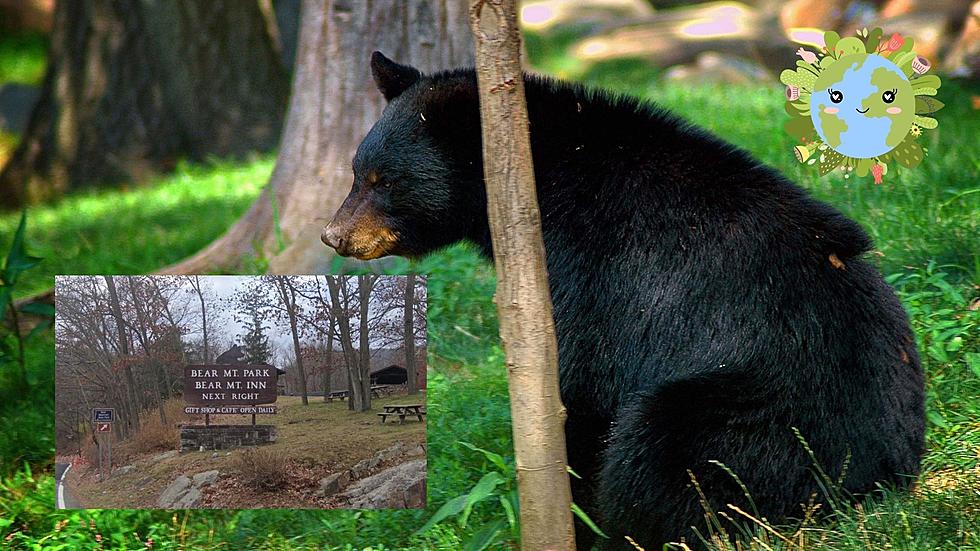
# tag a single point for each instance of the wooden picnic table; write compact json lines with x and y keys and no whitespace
{"x":403,"y":410}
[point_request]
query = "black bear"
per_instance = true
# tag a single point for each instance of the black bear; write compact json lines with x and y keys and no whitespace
{"x":710,"y":313}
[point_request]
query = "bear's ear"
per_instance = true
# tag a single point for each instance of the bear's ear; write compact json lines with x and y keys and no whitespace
{"x":392,"y":78}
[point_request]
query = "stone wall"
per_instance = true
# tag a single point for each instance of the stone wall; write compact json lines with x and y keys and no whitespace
{"x":223,"y":437}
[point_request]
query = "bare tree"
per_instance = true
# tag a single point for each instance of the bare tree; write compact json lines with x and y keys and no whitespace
{"x":133,"y":419}
{"x":195,"y":283}
{"x":339,"y":301}
{"x":287,"y":294}
{"x":527,"y":328}
{"x":332,"y":107}
{"x":365,"y":283}
{"x":409,"y":336}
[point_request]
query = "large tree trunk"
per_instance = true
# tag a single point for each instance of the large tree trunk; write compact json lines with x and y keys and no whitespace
{"x":410,"y":367}
{"x":334,"y":102}
{"x":131,"y":87}
{"x":527,"y":328}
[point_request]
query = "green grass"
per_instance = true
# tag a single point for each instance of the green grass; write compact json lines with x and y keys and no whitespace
{"x":924,"y":223}
{"x":139,"y":230}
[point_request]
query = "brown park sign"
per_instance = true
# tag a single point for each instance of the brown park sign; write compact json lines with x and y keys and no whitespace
{"x":206,"y":386}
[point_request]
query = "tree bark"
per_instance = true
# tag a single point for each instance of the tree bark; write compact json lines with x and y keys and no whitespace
{"x":527,"y":328}
{"x":410,"y":367}
{"x":334,"y":103}
{"x":364,"y":285}
{"x":288,"y":295}
{"x":131,"y":87}
{"x":195,"y":283}
{"x":328,"y":363}
{"x":337,"y":287}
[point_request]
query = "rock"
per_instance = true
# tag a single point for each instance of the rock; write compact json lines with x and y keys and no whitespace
{"x":205,"y":478}
{"x":415,"y":495}
{"x":362,"y":468}
{"x":541,"y":15}
{"x":716,"y":68}
{"x":184,"y":492}
{"x":394,"y":451}
{"x":163,"y":456}
{"x":333,"y":484}
{"x":188,"y":500}
{"x":174,"y":492}
{"x":397,"y":487}
{"x":416,"y":451}
{"x":123,"y":470}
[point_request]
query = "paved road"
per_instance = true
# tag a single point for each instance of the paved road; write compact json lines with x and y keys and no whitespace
{"x":62,"y":495}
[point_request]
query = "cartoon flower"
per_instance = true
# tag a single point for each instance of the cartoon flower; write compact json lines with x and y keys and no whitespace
{"x":915,"y":130}
{"x":792,"y":92}
{"x":877,"y":170}
{"x":802,"y":153}
{"x":807,"y":55}
{"x":894,"y":43}
{"x":920,"y":65}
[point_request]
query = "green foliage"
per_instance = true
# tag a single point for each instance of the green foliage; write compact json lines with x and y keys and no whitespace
{"x":22,"y":57}
{"x":11,"y":339}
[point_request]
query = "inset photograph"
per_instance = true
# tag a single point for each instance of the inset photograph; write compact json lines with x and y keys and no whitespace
{"x":240,"y":392}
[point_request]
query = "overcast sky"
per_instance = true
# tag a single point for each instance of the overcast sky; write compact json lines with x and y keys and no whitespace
{"x":222,"y":321}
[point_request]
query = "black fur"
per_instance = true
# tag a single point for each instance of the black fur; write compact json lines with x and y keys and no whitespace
{"x":701,"y":307}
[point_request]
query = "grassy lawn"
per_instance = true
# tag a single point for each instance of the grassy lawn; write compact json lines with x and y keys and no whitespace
{"x":313,"y":442}
{"x":924,"y":222}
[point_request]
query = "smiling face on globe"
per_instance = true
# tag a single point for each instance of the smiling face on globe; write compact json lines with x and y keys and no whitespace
{"x":862,"y":106}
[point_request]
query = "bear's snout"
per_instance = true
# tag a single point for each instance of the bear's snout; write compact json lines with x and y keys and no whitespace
{"x":332,"y":236}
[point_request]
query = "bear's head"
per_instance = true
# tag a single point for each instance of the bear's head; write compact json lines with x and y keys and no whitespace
{"x":418,"y":174}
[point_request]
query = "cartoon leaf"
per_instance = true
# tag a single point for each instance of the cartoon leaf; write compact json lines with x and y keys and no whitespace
{"x":908,"y":153}
{"x":803,"y":108}
{"x":900,"y":58}
{"x":850,"y":45}
{"x":907,"y":45}
{"x":926,"y":122}
{"x":926,"y":104}
{"x":830,"y":39}
{"x":863,"y":166}
{"x":926,"y":81}
{"x":829,"y":160}
{"x":800,"y":127}
{"x":873,"y":40}
{"x":802,"y":78}
{"x":925,"y":91}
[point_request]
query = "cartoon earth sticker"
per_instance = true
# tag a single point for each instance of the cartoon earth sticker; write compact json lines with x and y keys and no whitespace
{"x":861,"y":104}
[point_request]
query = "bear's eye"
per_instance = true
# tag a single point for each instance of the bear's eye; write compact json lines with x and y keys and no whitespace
{"x":888,"y":96}
{"x":836,"y":96}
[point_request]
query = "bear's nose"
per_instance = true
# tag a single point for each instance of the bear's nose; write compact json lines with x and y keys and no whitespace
{"x":332,"y":237}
